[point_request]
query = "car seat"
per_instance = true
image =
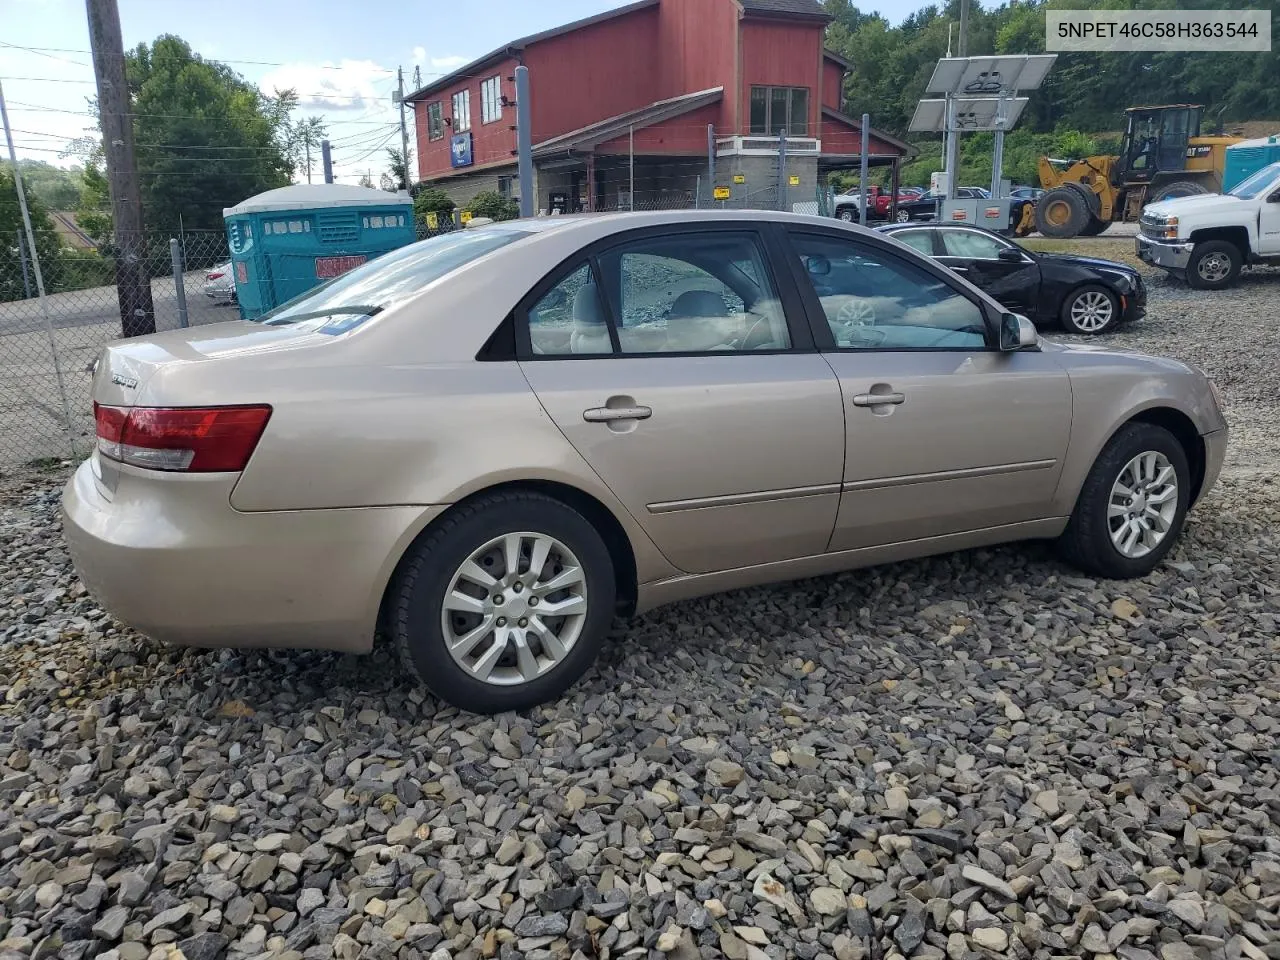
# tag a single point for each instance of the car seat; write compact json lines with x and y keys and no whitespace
{"x":695,"y":322}
{"x":590,"y":331}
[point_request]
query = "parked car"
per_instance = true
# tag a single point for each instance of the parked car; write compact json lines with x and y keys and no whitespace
{"x":883,"y":206}
{"x":486,"y":445}
{"x":220,"y":284}
{"x":925,"y":206}
{"x":849,"y":204}
{"x":1026,"y":193}
{"x":1208,"y":238}
{"x":1082,"y":294}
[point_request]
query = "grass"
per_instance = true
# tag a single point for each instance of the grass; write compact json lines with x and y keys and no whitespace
{"x":1108,"y":248}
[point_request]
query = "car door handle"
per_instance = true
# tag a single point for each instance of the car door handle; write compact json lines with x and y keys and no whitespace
{"x":877,"y":399}
{"x":609,"y":414}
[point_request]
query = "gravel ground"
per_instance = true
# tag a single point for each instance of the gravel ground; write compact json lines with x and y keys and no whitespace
{"x":970,"y":756}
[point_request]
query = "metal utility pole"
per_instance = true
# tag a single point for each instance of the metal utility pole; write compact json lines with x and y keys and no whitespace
{"x":417,"y":78}
{"x":963,"y":45}
{"x":951,"y":164}
{"x":711,"y":156}
{"x":326,"y":159}
{"x":35,"y":263}
{"x":782,"y":169}
{"x":862,"y":170}
{"x":133,"y":286}
{"x":524,"y":140}
{"x":404,"y":131}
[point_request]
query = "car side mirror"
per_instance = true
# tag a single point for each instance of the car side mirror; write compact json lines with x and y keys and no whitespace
{"x":1009,"y":255}
{"x":1274,"y":198}
{"x":1017,"y":333}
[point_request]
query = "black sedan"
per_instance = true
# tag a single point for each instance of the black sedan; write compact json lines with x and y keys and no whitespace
{"x":925,"y":206}
{"x":1083,"y":294}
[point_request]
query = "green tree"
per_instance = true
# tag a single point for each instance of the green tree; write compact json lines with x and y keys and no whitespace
{"x":491,"y":204}
{"x":304,"y":142}
{"x":397,"y":175}
{"x":48,"y":247}
{"x":58,"y":188}
{"x":205,"y":139}
{"x":432,"y":200}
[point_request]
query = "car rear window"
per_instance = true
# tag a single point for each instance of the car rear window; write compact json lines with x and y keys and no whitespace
{"x":346,"y":301}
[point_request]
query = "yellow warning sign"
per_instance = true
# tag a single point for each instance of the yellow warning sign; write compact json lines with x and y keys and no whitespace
{"x":466,"y":216}
{"x":794,"y":180}
{"x":433,"y":222}
{"x":739,"y":178}
{"x":721,"y":193}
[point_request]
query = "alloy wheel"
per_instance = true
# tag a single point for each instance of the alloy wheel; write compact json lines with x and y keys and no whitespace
{"x":1091,"y":311}
{"x":1143,"y":504}
{"x":515,"y":608}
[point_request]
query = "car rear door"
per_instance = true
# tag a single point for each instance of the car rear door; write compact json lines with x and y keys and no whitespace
{"x":945,"y":434}
{"x":683,"y":372}
{"x":976,"y":256}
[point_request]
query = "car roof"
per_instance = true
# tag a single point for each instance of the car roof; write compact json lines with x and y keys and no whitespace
{"x":626,"y":220}
{"x":936,"y":225}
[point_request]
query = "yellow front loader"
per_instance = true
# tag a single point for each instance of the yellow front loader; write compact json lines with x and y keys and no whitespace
{"x":1162,"y":156}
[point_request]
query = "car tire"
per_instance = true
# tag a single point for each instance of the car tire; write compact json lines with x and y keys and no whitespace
{"x":527,"y":672}
{"x":1089,"y":542}
{"x":1090,"y":310}
{"x":847,"y":214}
{"x":1214,"y":265}
{"x":904,"y":216}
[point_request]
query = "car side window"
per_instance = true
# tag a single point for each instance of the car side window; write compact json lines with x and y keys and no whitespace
{"x":971,"y":245}
{"x":693,"y":293}
{"x":873,"y":300}
{"x":570,"y":318}
{"x":921,"y":240}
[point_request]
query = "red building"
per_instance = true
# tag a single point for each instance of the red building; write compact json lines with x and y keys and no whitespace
{"x":632,"y":96}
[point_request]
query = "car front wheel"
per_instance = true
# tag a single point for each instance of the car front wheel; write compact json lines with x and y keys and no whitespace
{"x":1213,"y":265}
{"x":847,"y":214}
{"x":505,"y":604}
{"x":1090,"y":310}
{"x":1132,"y":506}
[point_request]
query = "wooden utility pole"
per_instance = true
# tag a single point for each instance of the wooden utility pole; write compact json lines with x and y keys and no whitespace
{"x":133,"y":286}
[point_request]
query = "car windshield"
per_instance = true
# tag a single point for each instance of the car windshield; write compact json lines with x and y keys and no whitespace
{"x":346,"y":301}
{"x":1252,"y":187}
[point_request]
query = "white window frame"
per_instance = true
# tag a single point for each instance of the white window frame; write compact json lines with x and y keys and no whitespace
{"x":461,"y":111}
{"x":435,"y":124}
{"x":491,"y":99}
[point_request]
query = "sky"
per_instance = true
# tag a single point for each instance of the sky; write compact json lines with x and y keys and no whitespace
{"x":340,"y":57}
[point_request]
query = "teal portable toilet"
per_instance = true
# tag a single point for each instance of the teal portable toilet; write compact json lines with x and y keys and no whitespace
{"x":1247,"y":157}
{"x":286,"y":241}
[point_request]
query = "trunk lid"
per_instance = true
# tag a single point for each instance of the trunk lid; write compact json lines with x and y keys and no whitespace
{"x":140,"y":371}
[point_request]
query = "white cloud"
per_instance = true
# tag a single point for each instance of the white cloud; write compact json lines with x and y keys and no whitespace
{"x":419,"y":54}
{"x":448,"y":63}
{"x":347,"y":85}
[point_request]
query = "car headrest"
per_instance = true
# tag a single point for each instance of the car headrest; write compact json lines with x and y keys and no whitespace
{"x":586,"y":307}
{"x":698,"y":303}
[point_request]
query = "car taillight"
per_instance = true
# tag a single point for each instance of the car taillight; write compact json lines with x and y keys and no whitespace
{"x":214,"y":276}
{"x":183,"y":439}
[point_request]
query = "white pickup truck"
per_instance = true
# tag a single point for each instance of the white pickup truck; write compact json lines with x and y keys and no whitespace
{"x":1209,"y":237}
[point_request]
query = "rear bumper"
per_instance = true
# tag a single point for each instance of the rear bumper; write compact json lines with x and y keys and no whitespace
{"x":1170,"y":256}
{"x":170,"y":557}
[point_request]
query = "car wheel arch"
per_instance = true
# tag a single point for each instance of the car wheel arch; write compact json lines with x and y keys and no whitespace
{"x":603,"y":519}
{"x":1178,"y":423}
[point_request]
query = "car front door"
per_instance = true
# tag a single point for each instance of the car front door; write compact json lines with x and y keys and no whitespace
{"x":669,"y":362}
{"x":1269,"y":224}
{"x":945,"y":434}
{"x":1005,"y":271}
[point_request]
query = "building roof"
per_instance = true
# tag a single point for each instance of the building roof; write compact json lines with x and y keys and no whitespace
{"x":810,"y":9}
{"x":306,"y":196}
{"x":603,"y":130}
{"x":830,"y":54}
{"x":908,"y":151}
{"x":516,"y":47}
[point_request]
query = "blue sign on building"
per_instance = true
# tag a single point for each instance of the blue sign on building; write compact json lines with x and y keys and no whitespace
{"x":460,"y":150}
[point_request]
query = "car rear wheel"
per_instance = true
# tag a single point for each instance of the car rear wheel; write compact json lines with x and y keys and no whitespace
{"x":1213,"y":265}
{"x":1090,"y":310}
{"x":505,"y":604}
{"x":904,"y":216}
{"x":847,"y":214}
{"x":1132,"y":506}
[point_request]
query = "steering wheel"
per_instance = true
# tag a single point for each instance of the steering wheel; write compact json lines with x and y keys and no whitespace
{"x":857,"y":312}
{"x":758,"y":335}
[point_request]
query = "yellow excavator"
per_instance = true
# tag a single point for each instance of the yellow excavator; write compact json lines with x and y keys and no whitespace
{"x":1162,"y":156}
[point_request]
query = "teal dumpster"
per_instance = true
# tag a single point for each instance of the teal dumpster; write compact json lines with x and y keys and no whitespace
{"x":286,"y":241}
